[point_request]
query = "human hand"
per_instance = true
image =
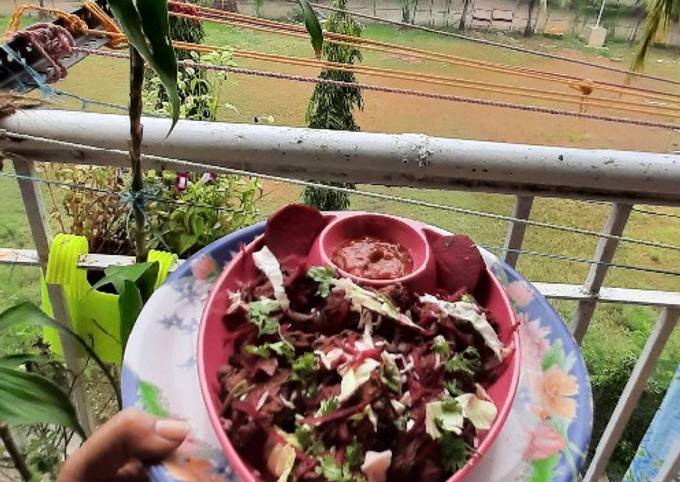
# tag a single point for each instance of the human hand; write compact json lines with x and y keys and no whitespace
{"x":118,"y":451}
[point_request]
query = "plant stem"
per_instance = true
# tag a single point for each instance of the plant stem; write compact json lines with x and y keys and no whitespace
{"x":136,"y":135}
{"x":16,"y":456}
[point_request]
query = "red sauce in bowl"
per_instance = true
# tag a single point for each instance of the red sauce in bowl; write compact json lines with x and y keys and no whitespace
{"x":373,"y":258}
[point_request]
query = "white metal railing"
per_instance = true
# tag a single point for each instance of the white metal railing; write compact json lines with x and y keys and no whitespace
{"x":296,"y":155}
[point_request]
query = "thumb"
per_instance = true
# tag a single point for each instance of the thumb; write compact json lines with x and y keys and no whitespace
{"x":130,"y":435}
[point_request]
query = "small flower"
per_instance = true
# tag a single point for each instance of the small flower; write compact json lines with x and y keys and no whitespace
{"x":534,"y":339}
{"x":520,"y":293}
{"x":202,"y":268}
{"x":544,"y":441}
{"x":554,"y":389}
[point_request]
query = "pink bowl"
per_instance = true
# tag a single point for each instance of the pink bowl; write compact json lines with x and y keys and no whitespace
{"x":391,"y":228}
{"x":213,"y":351}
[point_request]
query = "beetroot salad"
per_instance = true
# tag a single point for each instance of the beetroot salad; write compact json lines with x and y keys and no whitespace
{"x":333,"y":381}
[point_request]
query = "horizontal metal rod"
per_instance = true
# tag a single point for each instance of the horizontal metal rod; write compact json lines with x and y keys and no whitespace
{"x":29,"y":257}
{"x":413,"y":160}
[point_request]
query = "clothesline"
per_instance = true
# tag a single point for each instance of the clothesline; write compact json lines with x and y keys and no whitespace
{"x":402,"y":91}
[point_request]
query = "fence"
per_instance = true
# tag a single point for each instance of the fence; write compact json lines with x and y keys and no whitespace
{"x":295,"y":154}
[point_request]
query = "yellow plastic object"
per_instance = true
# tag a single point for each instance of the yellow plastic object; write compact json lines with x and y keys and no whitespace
{"x":95,"y":315}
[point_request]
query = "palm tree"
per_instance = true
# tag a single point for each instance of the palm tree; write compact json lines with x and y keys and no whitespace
{"x":659,"y":15}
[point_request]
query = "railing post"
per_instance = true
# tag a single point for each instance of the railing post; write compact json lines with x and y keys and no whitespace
{"x":604,"y":254}
{"x":515,"y":235}
{"x":632,"y":392}
{"x":39,"y":224}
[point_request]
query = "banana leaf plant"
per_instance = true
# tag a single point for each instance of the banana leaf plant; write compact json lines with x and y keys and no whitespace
{"x":28,"y":398}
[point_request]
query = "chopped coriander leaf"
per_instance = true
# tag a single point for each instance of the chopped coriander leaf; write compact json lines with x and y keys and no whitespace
{"x":450,"y":405}
{"x":323,"y":276}
{"x":259,"y":314}
{"x":334,"y":472}
{"x":262,"y":351}
{"x":283,"y":348}
{"x":354,"y":454}
{"x":305,"y":437}
{"x":440,"y":345}
{"x":467,"y":361}
{"x":453,"y":388}
{"x":305,"y":365}
{"x":328,"y":406}
{"x":265,"y":350}
{"x":401,"y":422}
{"x":389,"y":375}
{"x":455,"y":452}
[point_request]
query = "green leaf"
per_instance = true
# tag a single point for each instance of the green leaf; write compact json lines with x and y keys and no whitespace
{"x":148,"y":30}
{"x":323,"y":276}
{"x":305,"y":365}
{"x":328,"y":406}
{"x":467,"y":362}
{"x":28,"y":314}
{"x":455,"y":452}
{"x":354,"y":454}
{"x":130,"y":304}
{"x":313,"y":26}
{"x":282,"y":348}
{"x":259,"y":313}
{"x":186,"y":241}
{"x":29,"y":399}
{"x":13,"y":361}
{"x":142,"y":274}
{"x":333,"y":471}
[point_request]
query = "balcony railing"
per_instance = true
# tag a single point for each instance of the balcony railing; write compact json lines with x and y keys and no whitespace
{"x":296,"y":155}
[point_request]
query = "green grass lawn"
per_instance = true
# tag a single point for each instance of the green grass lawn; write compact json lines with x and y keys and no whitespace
{"x":623,"y":327}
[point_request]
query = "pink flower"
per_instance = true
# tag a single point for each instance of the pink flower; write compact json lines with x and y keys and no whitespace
{"x":203,"y":267}
{"x":544,"y":441}
{"x":520,"y":293}
{"x":534,"y":340}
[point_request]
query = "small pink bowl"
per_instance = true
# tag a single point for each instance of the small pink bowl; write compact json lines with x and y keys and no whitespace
{"x":390,"y":228}
{"x":213,"y":351}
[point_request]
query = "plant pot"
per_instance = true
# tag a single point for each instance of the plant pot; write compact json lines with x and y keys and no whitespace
{"x":95,"y":315}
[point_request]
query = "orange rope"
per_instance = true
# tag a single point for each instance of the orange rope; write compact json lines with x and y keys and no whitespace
{"x":117,"y":38}
{"x":442,"y":80}
{"x":582,"y":85}
{"x":72,"y":22}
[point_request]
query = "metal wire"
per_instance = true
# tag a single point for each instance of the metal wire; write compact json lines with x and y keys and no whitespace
{"x":639,"y":210}
{"x":553,"y":256}
{"x":494,"y":44}
{"x":81,"y":187}
{"x":396,"y":90}
{"x":561,"y":257}
{"x":656,"y":213}
{"x":374,"y":195}
{"x":85,"y":101}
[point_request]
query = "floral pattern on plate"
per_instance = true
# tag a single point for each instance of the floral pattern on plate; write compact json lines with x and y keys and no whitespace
{"x":544,"y":439}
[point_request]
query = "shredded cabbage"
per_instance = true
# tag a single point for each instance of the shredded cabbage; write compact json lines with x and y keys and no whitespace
{"x":469,"y":312}
{"x":267,"y":263}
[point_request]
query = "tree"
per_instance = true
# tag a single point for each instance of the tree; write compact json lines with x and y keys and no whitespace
{"x":529,"y":28}
{"x":331,"y":107}
{"x":660,"y":13}
{"x":466,"y":7}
